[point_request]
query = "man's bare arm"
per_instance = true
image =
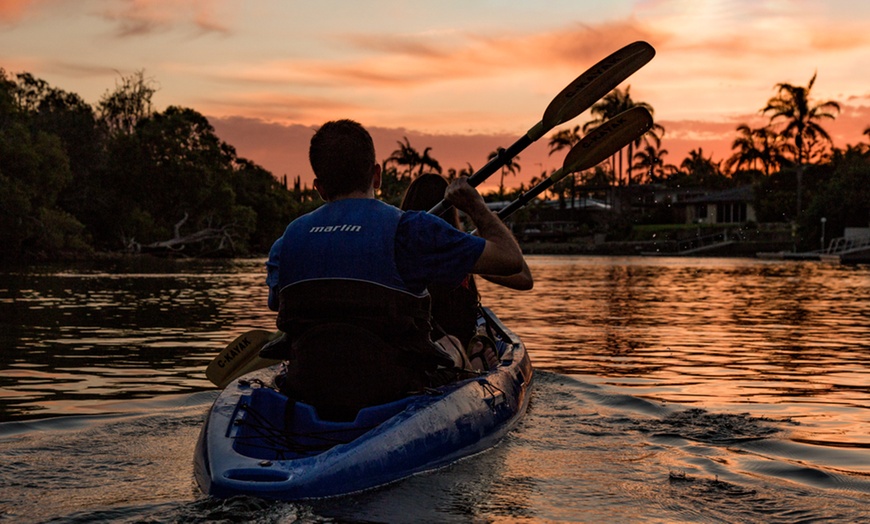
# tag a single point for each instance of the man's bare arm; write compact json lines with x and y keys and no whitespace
{"x":521,"y":281}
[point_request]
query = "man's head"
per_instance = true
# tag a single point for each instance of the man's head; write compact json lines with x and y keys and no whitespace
{"x":342,"y":156}
{"x":425,"y":192}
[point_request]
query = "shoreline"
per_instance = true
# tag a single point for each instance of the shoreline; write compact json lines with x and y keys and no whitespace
{"x":744,"y":249}
{"x":647,"y":248}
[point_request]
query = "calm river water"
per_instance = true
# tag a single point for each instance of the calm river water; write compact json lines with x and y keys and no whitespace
{"x":666,"y":390}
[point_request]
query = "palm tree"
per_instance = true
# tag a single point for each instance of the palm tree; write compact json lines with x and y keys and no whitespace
{"x":793,"y":106}
{"x":649,"y":160}
{"x":453,"y":174}
{"x":511,"y":166}
{"x":652,"y":140}
{"x":427,"y":161}
{"x":699,"y":171}
{"x":747,"y":152}
{"x":565,"y":139}
{"x":405,"y":156}
{"x":614,"y":103}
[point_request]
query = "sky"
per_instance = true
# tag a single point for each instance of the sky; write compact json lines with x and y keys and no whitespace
{"x":462,"y":77}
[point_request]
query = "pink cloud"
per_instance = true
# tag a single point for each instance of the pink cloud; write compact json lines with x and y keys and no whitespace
{"x":143,"y":17}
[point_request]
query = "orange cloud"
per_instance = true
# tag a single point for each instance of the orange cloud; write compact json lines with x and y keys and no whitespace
{"x":143,"y":17}
{"x":12,"y":11}
{"x":436,"y":82}
{"x":421,"y":59}
{"x":843,"y":39}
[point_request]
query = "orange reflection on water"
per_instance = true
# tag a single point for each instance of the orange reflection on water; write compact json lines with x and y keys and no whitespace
{"x":706,"y":332}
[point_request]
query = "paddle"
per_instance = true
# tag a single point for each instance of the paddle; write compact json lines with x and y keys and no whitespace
{"x":577,"y":97}
{"x":592,"y":149}
{"x":241,"y":356}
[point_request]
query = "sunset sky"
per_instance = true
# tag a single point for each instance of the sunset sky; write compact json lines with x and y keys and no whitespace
{"x":460,"y":77}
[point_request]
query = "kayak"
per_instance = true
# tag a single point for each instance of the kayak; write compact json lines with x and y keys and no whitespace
{"x":255,"y":442}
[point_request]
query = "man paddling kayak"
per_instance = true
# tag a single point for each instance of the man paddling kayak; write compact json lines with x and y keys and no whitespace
{"x":349,"y":280}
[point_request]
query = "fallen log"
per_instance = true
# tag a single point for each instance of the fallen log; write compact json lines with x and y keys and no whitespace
{"x":222,"y":236}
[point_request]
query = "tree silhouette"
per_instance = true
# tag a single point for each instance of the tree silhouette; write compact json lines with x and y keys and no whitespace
{"x":467,"y":171}
{"x":564,"y":139}
{"x":405,"y":156}
{"x":696,"y":170}
{"x":614,"y":103}
{"x":130,"y":102}
{"x":649,"y":160}
{"x":427,"y":161}
{"x":512,"y":166}
{"x":412,"y":160}
{"x":800,"y":116}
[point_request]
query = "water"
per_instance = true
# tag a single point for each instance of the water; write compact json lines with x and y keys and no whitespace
{"x":666,"y":390}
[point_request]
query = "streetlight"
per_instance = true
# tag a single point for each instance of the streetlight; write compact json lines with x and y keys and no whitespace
{"x":823,"y":233}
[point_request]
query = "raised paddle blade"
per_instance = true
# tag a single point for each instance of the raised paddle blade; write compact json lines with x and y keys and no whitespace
{"x":592,"y":149}
{"x":241,"y":356}
{"x":592,"y":85}
{"x":606,"y":139}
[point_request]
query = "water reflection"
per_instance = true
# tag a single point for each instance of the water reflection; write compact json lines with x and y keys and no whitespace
{"x":712,"y":332}
{"x":783,"y":338}
{"x":78,"y":340}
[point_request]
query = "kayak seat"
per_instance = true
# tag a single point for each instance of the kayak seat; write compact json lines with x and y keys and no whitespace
{"x":273,"y":427}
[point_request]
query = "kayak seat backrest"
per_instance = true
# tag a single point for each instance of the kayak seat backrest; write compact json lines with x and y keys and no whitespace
{"x":400,"y":318}
{"x":342,"y":368}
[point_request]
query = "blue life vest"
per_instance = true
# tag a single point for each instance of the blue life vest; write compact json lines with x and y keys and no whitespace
{"x":350,"y":239}
{"x":337,"y":267}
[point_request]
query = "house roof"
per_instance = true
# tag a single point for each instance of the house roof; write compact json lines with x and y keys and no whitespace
{"x":737,"y":194}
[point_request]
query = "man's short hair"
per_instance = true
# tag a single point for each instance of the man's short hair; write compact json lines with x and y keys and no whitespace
{"x":342,"y":156}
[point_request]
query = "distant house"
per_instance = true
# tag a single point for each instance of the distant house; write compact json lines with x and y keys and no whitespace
{"x":730,"y":206}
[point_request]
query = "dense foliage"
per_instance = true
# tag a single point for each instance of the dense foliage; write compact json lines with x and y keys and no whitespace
{"x":121,"y":176}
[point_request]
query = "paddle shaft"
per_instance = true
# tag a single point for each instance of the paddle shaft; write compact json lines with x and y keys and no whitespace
{"x":497,"y":162}
{"x":500,"y":160}
{"x":525,"y":198}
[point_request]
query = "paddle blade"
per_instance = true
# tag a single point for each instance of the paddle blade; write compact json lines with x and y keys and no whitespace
{"x":239,"y":357}
{"x":607,"y":139}
{"x":597,"y":146}
{"x":592,"y":85}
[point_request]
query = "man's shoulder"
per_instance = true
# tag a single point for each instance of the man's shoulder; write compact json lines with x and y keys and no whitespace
{"x":423,"y":219}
